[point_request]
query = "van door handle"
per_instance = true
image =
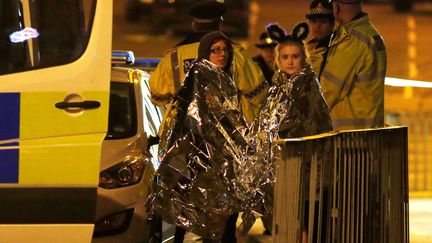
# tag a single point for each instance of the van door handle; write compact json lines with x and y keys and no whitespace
{"x":88,"y":104}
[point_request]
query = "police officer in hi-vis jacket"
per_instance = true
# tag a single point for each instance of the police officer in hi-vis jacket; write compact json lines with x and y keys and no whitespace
{"x":321,"y":23}
{"x":352,"y":78}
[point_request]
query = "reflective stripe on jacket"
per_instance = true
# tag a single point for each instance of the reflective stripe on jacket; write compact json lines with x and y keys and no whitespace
{"x":353,"y":77}
{"x":169,"y":75}
{"x":250,"y":82}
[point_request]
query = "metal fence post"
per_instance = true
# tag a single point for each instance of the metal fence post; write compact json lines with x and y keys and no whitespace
{"x":349,"y":186}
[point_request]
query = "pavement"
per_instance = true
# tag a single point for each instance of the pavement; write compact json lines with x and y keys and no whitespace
{"x":420,"y":221}
{"x":255,"y":235}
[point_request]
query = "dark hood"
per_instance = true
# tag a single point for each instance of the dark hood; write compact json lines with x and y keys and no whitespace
{"x":207,"y":41}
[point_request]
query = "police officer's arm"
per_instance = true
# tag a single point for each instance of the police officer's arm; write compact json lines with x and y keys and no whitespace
{"x":249,"y":78}
{"x":374,"y":63}
{"x":161,"y":83}
{"x":341,"y":73}
{"x":371,"y":76}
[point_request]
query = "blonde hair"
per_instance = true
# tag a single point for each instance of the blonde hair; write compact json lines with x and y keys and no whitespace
{"x":290,"y":43}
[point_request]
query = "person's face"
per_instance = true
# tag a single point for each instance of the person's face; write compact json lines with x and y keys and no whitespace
{"x":321,"y":27}
{"x":219,"y":54}
{"x":290,"y":59}
{"x":268,"y":53}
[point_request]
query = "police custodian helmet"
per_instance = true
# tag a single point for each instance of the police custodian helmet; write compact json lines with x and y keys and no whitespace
{"x":265,"y":41}
{"x":209,"y":11}
{"x":320,"y":9}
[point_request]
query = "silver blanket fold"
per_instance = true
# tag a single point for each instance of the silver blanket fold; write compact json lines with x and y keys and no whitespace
{"x":212,"y":163}
{"x":202,"y":140}
{"x":295,"y":107}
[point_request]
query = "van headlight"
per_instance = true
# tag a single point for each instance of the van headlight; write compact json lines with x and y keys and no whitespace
{"x":125,"y":173}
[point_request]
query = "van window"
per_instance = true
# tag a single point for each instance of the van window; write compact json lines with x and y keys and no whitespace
{"x":43,"y":33}
{"x":122,"y":117}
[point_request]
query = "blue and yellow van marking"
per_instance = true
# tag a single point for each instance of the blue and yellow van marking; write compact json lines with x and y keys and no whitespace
{"x":9,"y":131}
{"x":42,"y":145}
{"x":27,"y":161}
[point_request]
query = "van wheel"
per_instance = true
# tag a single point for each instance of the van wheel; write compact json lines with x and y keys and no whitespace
{"x":402,"y":5}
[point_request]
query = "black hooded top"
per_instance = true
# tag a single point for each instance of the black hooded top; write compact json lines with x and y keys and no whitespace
{"x":208,"y":40}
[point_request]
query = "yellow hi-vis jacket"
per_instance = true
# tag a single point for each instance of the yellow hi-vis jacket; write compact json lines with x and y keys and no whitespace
{"x":353,"y":77}
{"x":315,"y":58}
{"x":315,"y":53}
{"x":169,"y":75}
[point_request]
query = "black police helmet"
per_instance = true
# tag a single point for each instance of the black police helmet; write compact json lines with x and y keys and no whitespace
{"x":205,"y":12}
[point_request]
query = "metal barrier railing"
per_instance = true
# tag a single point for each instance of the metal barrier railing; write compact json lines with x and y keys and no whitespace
{"x":349,"y":186}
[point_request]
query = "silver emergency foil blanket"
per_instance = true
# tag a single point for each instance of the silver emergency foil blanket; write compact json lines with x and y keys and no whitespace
{"x":295,"y":107}
{"x":202,"y":140}
{"x":212,"y":163}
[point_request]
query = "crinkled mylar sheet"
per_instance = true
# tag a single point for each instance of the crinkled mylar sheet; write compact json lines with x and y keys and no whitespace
{"x":212,"y":163}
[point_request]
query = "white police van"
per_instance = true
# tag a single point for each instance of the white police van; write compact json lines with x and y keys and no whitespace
{"x":54,"y":95}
